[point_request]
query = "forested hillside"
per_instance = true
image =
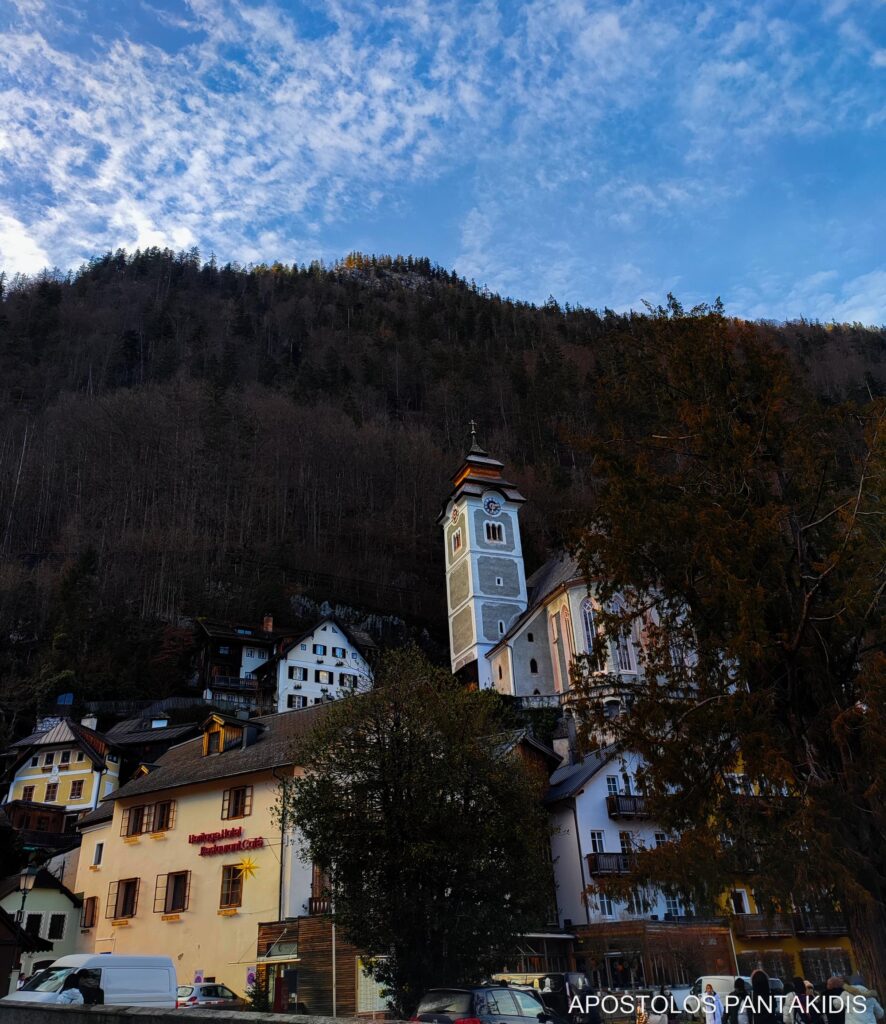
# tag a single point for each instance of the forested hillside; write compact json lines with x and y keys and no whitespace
{"x":179,"y":438}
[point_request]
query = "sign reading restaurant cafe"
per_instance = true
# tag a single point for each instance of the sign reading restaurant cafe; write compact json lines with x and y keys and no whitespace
{"x":211,"y":842}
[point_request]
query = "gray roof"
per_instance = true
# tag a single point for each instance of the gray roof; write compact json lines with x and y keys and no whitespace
{"x":104,"y":812}
{"x":92,"y":743}
{"x":559,"y":569}
{"x":505,"y":742}
{"x":185,"y":764}
{"x":568,"y":780}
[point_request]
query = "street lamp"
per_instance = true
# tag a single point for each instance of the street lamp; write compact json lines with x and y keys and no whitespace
{"x":26,"y":881}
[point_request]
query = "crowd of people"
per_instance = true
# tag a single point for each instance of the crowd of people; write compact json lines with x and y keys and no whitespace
{"x":842,"y":1002}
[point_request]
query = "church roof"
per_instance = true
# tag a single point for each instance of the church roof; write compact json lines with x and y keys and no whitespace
{"x":478,"y":473}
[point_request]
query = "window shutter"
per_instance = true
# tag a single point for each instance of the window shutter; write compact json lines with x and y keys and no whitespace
{"x":172,"y":818}
{"x":187,"y":890}
{"x":124,"y":824}
{"x":111,"y":908}
{"x":226,"y":802}
{"x":247,"y":801}
{"x":160,"y":894}
{"x":148,"y":819}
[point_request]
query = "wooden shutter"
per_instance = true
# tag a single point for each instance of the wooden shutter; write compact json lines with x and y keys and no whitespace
{"x":247,"y":801}
{"x":226,"y":803}
{"x":124,"y":823}
{"x":171,"y":820}
{"x":138,"y":883}
{"x":160,"y":894}
{"x":187,"y":890}
{"x":111,"y":908}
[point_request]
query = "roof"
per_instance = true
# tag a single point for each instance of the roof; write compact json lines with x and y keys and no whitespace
{"x":104,"y":812}
{"x":44,"y":880}
{"x":252,"y":635}
{"x":359,"y":639}
{"x":67,"y":731}
{"x":505,"y":742}
{"x":136,"y":730}
{"x":185,"y":764}
{"x":572,"y":778}
{"x":556,"y":572}
{"x":478,"y":473}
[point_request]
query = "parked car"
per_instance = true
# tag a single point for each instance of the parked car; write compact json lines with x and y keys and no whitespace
{"x":487,"y":1004}
{"x":121,"y":980}
{"x":208,"y":995}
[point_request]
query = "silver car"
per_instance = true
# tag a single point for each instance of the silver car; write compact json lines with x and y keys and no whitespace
{"x":209,"y":995}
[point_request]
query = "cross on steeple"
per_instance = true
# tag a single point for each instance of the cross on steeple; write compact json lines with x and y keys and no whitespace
{"x":473,"y":426}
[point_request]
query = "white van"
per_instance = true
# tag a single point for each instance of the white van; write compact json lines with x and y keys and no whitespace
{"x":123,"y":980}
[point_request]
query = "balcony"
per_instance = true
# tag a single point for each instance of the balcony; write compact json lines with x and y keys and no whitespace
{"x":762,"y":926}
{"x":610,"y":863}
{"x":318,"y":905}
{"x":808,"y":923}
{"x":620,"y":806}
{"x":233,"y":683}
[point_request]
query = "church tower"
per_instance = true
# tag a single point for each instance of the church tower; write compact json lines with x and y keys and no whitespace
{"x":485,"y":579}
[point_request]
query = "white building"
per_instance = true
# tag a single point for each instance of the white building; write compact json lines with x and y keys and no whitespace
{"x":51,"y":912}
{"x":325,"y":662}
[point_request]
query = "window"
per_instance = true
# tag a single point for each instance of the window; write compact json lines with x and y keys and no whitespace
{"x":499,"y":582}
{"x":164,"y":816}
{"x":35,"y":761}
{"x":612,"y":784}
{"x":627,"y":783}
{"x":249,"y":652}
{"x":636,"y":903}
{"x":295,"y":700}
{"x":56,"y":927}
{"x":611,"y":708}
{"x":495,"y":533}
{"x":597,"y":843}
{"x":672,"y":906}
{"x":98,"y":853}
{"x":237,"y":803}
{"x":501,"y":627}
{"x":65,"y":757}
{"x":590,"y":625}
{"x":320,"y":676}
{"x":499,"y":671}
{"x":605,"y":903}
{"x":27,"y":793}
{"x":304,"y":647}
{"x":739,"y":900}
{"x":261,"y":655}
{"x":81,"y":756}
{"x":347,"y":679}
{"x":136,"y":820}
{"x":231,"y":887}
{"x":33,"y":923}
{"x":624,"y":645}
{"x":626,"y":842}
{"x":530,"y":638}
{"x":297,"y":673}
{"x":51,"y":792}
{"x":77,"y":789}
{"x":123,"y":898}
{"x":456,"y":541}
{"x":48,"y":758}
{"x":533,"y":667}
{"x":172,"y":892}
{"x":89,"y":913}
{"x":661,"y":838}
{"x":319,"y":648}
{"x":213,"y":742}
{"x":339,"y":652}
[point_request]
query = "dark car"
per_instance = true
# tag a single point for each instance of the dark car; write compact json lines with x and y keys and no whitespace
{"x":484,"y":1004}
{"x":557,"y":991}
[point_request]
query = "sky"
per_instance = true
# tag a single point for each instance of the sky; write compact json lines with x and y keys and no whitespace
{"x":601,"y":153}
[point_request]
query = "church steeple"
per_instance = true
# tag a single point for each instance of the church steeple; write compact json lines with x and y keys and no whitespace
{"x":485,"y":579}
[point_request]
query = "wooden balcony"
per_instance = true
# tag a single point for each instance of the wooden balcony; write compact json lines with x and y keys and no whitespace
{"x":619,"y":806}
{"x":233,"y":683}
{"x":318,"y":905}
{"x":808,"y":923}
{"x":610,"y":863}
{"x":761,"y":926}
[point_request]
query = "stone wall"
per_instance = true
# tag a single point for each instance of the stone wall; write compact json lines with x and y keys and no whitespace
{"x":43,"y":1013}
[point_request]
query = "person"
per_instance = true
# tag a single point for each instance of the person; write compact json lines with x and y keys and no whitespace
{"x":738,"y":1010}
{"x":796,"y":1003}
{"x":835,"y":1004}
{"x":762,"y":1008}
{"x":70,"y":991}
{"x":712,"y":1006}
{"x":863,"y":1005}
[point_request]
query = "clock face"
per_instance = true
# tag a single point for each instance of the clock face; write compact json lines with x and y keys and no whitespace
{"x":491,"y":505}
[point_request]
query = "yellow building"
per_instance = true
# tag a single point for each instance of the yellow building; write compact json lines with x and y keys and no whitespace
{"x":186,"y":859}
{"x":812,"y":944}
{"x":57,"y":775}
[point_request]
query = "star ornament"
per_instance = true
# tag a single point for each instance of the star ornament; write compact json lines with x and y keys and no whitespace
{"x":247,"y":867}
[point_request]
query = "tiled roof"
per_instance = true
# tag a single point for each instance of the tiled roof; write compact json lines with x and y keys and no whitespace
{"x":66,"y":731}
{"x":569,"y":779}
{"x":556,"y":570}
{"x":104,"y":812}
{"x":185,"y":764}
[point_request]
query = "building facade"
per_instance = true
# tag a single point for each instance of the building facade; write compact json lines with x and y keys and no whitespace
{"x":51,"y":913}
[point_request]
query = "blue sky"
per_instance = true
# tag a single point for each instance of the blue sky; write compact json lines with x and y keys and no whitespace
{"x":604,"y":153}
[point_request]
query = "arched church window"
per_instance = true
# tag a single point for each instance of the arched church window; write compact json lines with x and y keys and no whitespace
{"x":530,"y":638}
{"x":499,"y":671}
{"x":533,"y":666}
{"x":625,"y":658}
{"x":589,"y":623}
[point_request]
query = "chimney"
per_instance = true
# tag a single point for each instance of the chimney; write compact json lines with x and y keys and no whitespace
{"x":268,"y":623}
{"x":562,"y":741}
{"x":90,"y":721}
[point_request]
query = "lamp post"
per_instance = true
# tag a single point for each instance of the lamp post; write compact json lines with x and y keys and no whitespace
{"x":25,"y":884}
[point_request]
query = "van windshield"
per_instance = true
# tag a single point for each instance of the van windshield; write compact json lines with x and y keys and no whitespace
{"x":49,"y":980}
